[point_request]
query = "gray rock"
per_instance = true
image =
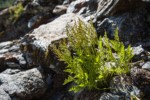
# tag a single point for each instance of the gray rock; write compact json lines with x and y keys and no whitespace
{"x":27,"y":84}
{"x":146,"y":65}
{"x":10,"y":71}
{"x":125,"y":15}
{"x":138,"y":50}
{"x":67,"y":2}
{"x":5,"y":45}
{"x":109,"y":96}
{"x":4,"y":95}
{"x":141,"y":79}
{"x":83,"y":7}
{"x":60,"y":9}
{"x":139,"y":53}
{"x":10,"y":55}
{"x":12,"y":65}
{"x":34,"y":20}
{"x":38,"y":42}
{"x":75,"y":6}
{"x":123,"y":86}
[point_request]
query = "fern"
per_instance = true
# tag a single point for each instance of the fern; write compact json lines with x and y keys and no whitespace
{"x":92,"y":62}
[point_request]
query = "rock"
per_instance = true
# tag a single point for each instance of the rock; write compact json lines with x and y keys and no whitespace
{"x":4,"y":95}
{"x":60,"y":9}
{"x":2,"y":59}
{"x":141,"y":79}
{"x":27,"y":84}
{"x":124,"y":15}
{"x":66,"y":2}
{"x":87,"y":95}
{"x":75,"y":6}
{"x":123,"y":87}
{"x":85,"y":8}
{"x":38,"y":42}
{"x":11,"y":72}
{"x":5,"y":45}
{"x":146,"y":66}
{"x":109,"y":96}
{"x":32,"y":23}
{"x":138,"y":50}
{"x":139,"y":53}
{"x":10,"y":56}
{"x":111,"y":7}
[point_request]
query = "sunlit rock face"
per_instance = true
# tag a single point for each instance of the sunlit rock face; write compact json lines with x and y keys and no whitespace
{"x":39,"y":41}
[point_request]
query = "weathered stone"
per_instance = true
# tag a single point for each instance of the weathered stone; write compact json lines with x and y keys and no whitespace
{"x":66,"y":2}
{"x":85,"y":8}
{"x":109,"y":96}
{"x":75,"y":6}
{"x":4,"y":95}
{"x":146,"y":66}
{"x":37,"y":43}
{"x":111,"y":7}
{"x":123,"y":87}
{"x":5,"y":45}
{"x":124,"y":15}
{"x":141,"y":79}
{"x":60,"y":9}
{"x":10,"y":56}
{"x":11,"y":72}
{"x":87,"y":95}
{"x":27,"y":84}
{"x":138,"y":50}
{"x":139,"y":53}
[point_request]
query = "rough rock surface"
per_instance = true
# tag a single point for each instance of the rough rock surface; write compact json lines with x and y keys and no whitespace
{"x":11,"y":56}
{"x":21,"y":85}
{"x":39,"y":41}
{"x":124,"y":15}
{"x":141,"y":79}
{"x":123,"y":87}
{"x":4,"y":95}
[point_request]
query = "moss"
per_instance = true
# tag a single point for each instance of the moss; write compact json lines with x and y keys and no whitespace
{"x":16,"y":12}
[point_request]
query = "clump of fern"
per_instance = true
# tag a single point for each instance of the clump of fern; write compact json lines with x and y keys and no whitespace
{"x":92,"y":62}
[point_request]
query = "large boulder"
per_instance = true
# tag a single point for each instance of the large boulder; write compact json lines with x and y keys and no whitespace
{"x":37,"y":44}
